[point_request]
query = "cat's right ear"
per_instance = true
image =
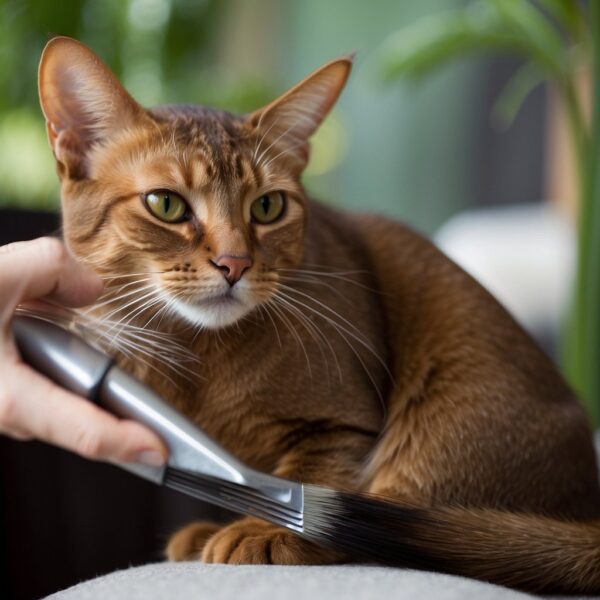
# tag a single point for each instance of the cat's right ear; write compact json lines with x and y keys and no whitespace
{"x":82,"y":102}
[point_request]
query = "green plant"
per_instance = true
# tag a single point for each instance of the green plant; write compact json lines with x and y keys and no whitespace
{"x":162,"y":50}
{"x":555,"y":39}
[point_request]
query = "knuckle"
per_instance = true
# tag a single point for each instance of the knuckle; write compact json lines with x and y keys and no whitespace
{"x":7,"y":408}
{"x":10,"y":248}
{"x":54,"y":249}
{"x":89,"y":443}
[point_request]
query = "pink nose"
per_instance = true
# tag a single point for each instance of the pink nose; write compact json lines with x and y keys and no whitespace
{"x":232,"y":267}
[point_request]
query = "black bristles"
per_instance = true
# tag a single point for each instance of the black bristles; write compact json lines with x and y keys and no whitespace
{"x":235,"y":497}
{"x":364,"y":527}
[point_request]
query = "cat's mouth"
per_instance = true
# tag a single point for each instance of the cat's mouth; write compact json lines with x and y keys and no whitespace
{"x":216,"y":310}
{"x":218,"y":300}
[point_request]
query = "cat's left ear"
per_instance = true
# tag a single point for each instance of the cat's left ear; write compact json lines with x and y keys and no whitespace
{"x":83,"y":103}
{"x":294,"y":116}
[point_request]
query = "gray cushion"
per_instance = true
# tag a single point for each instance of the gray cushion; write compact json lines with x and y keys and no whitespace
{"x":225,"y":582}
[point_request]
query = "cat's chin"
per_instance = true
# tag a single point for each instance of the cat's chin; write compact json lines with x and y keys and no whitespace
{"x":213,"y":314}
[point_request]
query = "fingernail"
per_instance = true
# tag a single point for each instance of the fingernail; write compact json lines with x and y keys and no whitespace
{"x":152,"y":458}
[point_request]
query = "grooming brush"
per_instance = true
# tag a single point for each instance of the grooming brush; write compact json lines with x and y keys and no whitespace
{"x":357,"y":525}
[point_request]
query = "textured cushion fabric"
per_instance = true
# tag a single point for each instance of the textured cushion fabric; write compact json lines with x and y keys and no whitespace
{"x":168,"y":581}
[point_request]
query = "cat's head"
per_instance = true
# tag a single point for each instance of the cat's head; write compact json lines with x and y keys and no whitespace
{"x":195,"y":209}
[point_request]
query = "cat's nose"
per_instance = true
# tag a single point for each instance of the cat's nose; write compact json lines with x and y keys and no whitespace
{"x":232,"y":267}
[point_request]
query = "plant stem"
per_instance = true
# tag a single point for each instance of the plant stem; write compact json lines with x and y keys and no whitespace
{"x":584,"y":362}
{"x":593,"y":225}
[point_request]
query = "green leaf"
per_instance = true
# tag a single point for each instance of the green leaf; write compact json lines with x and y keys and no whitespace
{"x":427,"y":44}
{"x":544,"y":43}
{"x":567,"y":13}
{"x":511,"y":98}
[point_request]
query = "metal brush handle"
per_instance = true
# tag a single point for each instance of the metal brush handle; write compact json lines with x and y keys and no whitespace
{"x":75,"y":365}
{"x":61,"y":356}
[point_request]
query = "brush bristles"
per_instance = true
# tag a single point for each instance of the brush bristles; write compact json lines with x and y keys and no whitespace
{"x":239,"y":498}
{"x":362,"y":526}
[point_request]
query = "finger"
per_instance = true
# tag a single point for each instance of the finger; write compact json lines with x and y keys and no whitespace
{"x":18,"y":434}
{"x":51,"y":414}
{"x":44,"y":268}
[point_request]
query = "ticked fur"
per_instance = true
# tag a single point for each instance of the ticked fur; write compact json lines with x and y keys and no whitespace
{"x":352,"y":353}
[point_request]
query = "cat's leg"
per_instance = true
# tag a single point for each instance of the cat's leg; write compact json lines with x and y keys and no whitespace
{"x":188,"y":542}
{"x":333,"y":458}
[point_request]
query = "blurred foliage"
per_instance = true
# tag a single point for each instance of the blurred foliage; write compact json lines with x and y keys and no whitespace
{"x":552,"y":37}
{"x":163,"y":51}
{"x":556,"y":39}
{"x":238,"y":55}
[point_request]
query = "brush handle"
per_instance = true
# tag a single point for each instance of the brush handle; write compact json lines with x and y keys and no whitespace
{"x":75,"y":365}
{"x":61,"y":356}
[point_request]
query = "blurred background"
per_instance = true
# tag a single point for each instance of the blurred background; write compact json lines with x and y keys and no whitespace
{"x":418,"y":152}
{"x":474,"y":152}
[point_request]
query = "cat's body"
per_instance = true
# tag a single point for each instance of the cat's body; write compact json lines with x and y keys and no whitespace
{"x":343,"y":349}
{"x":465,"y":389}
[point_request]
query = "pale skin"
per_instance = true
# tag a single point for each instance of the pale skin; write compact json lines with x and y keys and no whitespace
{"x":31,"y":406}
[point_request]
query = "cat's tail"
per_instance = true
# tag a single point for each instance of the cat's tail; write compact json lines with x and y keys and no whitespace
{"x":523,"y":551}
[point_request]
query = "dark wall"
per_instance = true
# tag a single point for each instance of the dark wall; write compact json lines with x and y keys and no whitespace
{"x":64,"y":519}
{"x":508,"y":164}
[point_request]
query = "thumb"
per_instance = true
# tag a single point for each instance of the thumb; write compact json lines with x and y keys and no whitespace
{"x":133,"y":443}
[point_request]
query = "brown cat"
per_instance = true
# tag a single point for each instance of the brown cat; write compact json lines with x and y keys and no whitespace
{"x":335,"y":349}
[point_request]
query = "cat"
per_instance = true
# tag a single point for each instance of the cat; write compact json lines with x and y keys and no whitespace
{"x":332,"y":348}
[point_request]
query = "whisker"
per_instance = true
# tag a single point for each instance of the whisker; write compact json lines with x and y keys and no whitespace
{"x":169,"y":305}
{"x":139,"y":356}
{"x":132,"y":303}
{"x":329,"y":272}
{"x":312,"y":280}
{"x":318,"y":337}
{"x":261,"y":141}
{"x":111,"y":277}
{"x":340,"y":276}
{"x":118,"y":298}
{"x":266,"y":309}
{"x":293,"y":126}
{"x":285,"y":151}
{"x":278,"y":311}
{"x":341,"y":331}
{"x":149,"y":304}
{"x":358,"y":333}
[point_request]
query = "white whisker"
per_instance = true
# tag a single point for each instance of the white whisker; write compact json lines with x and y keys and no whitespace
{"x":279,"y":311}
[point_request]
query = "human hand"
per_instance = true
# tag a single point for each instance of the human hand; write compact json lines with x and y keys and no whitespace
{"x":31,"y":406}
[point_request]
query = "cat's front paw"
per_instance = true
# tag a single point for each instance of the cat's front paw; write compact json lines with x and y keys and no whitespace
{"x":253,"y":542}
{"x":187,"y":543}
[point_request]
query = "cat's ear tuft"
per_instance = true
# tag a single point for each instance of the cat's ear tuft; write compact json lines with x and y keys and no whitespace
{"x":82,"y":101}
{"x":295,"y":115}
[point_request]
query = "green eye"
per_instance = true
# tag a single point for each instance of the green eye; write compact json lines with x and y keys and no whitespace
{"x":268,"y":208}
{"x":166,"y":206}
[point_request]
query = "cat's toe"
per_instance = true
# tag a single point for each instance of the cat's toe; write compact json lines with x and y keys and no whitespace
{"x":254,"y":542}
{"x":187,"y":543}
